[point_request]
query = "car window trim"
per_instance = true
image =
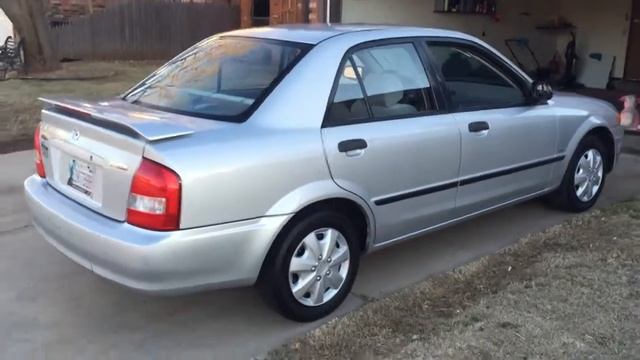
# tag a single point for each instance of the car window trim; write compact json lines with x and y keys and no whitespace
{"x":487,"y":56}
{"x":437,"y":85}
{"x":414,"y":41}
{"x":360,"y":81}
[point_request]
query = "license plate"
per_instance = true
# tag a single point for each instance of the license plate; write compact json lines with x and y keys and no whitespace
{"x":82,"y":176}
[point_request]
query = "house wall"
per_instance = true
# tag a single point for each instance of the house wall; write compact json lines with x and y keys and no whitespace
{"x":602,"y":26}
{"x":6,"y":27}
{"x":516,"y":18}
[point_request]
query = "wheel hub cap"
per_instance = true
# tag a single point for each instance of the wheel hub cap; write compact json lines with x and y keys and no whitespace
{"x":319,"y":267}
{"x":588,"y":175}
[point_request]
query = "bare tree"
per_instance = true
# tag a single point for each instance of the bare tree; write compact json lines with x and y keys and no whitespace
{"x":29,"y":19}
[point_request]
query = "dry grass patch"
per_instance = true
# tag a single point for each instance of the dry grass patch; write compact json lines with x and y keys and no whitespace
{"x":19,"y":107}
{"x":570,"y":292}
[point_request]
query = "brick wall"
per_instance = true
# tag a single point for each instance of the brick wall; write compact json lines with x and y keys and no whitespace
{"x":62,"y":10}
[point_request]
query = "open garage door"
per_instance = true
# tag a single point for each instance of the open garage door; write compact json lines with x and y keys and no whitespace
{"x":633,"y":52}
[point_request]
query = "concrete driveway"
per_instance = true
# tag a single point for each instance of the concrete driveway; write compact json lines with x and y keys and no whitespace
{"x":52,"y":308}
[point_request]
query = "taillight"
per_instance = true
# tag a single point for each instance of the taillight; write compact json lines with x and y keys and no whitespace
{"x":154,"y":200}
{"x":38,"y":150}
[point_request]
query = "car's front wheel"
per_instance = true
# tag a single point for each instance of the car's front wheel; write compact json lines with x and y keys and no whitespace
{"x":584,"y":179}
{"x":311,"y":270}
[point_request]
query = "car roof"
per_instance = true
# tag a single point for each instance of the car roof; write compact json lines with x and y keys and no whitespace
{"x":316,"y":33}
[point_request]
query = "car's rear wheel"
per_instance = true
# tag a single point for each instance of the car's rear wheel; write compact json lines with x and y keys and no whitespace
{"x":584,"y":179}
{"x":311,"y":270}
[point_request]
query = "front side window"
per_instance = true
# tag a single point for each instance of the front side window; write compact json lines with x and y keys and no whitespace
{"x":218,"y":78}
{"x":474,"y":83}
{"x":386,"y":81}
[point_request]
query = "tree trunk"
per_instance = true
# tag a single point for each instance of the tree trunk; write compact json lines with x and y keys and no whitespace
{"x":29,"y":19}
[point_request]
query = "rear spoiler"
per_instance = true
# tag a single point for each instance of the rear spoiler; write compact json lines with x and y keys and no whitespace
{"x":129,"y":123}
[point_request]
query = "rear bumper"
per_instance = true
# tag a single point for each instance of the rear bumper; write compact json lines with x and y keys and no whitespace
{"x":182,"y":261}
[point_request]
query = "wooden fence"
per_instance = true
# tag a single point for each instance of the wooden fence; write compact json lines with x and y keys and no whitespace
{"x":143,"y":30}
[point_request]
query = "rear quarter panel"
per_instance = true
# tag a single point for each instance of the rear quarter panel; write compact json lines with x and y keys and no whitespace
{"x":240,"y":172}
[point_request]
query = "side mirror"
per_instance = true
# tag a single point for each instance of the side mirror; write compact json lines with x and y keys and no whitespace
{"x":541,"y":91}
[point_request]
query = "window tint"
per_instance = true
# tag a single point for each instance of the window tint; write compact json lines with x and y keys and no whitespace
{"x":472,"y":82}
{"x":218,"y":78}
{"x":394,"y":81}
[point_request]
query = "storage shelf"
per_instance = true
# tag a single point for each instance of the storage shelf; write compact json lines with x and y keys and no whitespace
{"x":555,"y":28}
{"x":465,"y":7}
{"x":462,"y":13}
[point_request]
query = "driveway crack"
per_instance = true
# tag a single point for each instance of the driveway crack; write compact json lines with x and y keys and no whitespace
{"x":8,"y":231}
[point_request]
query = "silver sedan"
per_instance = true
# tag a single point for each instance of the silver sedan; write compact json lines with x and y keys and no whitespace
{"x":279,"y":156}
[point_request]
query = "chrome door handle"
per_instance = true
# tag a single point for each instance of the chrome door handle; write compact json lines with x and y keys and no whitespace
{"x":353,"y":148}
{"x":479,"y":126}
{"x":352,"y":145}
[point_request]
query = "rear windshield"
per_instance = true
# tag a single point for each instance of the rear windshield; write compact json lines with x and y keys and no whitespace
{"x":220,"y":78}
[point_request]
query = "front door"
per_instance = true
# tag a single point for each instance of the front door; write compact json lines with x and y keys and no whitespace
{"x":509,"y":148}
{"x":287,"y":11}
{"x":386,"y":142}
{"x":633,"y":48}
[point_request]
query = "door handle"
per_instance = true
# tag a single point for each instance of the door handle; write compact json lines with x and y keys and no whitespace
{"x":479,"y":126}
{"x":352,"y":145}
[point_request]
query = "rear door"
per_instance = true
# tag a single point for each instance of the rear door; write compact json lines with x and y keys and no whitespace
{"x":387,"y":141}
{"x":509,"y":147}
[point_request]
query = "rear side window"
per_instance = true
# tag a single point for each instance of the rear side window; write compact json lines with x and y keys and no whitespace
{"x":381,"y":82}
{"x":349,"y":104}
{"x":472,"y":81}
{"x":220,"y":78}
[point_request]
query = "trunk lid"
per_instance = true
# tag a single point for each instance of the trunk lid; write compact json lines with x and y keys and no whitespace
{"x":91,"y":150}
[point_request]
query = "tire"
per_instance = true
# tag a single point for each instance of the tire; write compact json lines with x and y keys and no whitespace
{"x":278,"y":278}
{"x":568,"y":196}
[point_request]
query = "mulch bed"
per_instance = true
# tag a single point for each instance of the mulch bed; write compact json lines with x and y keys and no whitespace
{"x":16,"y":145}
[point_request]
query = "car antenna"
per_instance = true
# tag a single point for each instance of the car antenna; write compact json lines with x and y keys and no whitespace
{"x":328,"y":12}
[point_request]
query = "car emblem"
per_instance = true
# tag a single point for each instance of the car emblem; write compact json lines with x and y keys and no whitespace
{"x":75,"y":135}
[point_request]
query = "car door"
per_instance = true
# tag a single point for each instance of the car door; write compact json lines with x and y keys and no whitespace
{"x":509,"y":144}
{"x":387,"y":140}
